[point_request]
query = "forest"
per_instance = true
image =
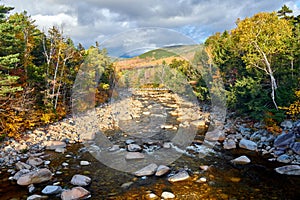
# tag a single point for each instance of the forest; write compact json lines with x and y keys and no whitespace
{"x":259,"y":63}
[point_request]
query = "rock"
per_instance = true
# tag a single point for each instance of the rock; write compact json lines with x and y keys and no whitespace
{"x":215,"y":135}
{"x":162,"y":170}
{"x":289,"y":170}
{"x":52,"y":145}
{"x":202,"y":180}
{"x":84,"y":163}
{"x":167,"y":195}
{"x":146,"y":171}
{"x":165,"y":126}
{"x":38,"y":176}
{"x":47,"y":162}
{"x":284,"y":158}
{"x":286,"y":124}
{"x":241,"y":160}
{"x":114,"y":148}
{"x":34,"y":161}
{"x":229,"y":144}
{"x":20,"y":173}
{"x":75,"y":193}
{"x":284,"y":139}
{"x":134,"y":156}
{"x":248,"y":144}
{"x":126,"y":185}
{"x":152,"y":196}
{"x":296,"y":147}
{"x":20,"y":165}
{"x":60,"y":150}
{"x":36,"y":197}
{"x":80,"y":180}
{"x":129,"y":141}
{"x":204,"y":167}
{"x":180,"y":176}
{"x":167,"y":145}
{"x":31,"y":188}
{"x":52,"y":189}
{"x":134,"y":148}
{"x":198,"y":123}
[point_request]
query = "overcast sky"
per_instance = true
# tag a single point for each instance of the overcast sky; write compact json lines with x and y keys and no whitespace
{"x":87,"y":21}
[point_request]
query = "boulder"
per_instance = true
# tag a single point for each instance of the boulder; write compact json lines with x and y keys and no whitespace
{"x":242,"y":160}
{"x":180,"y":176}
{"x":75,"y":193}
{"x":289,"y":170}
{"x":37,"y":176}
{"x":80,"y":180}
{"x":248,"y":144}
{"x":147,"y":171}
{"x":284,"y":139}
{"x":296,"y":147}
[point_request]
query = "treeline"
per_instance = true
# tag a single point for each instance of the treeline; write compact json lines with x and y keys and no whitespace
{"x":259,"y":61}
{"x":37,"y":73}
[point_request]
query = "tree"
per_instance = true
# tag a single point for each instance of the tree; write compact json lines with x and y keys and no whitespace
{"x":261,"y":38}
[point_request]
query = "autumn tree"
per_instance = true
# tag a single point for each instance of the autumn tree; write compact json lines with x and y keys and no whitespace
{"x":261,"y":38}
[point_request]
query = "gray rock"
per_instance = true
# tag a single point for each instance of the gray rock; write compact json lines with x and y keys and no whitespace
{"x":80,"y":180}
{"x":36,"y":197}
{"x":180,"y":176}
{"x":296,"y":147}
{"x":248,"y":144}
{"x":37,"y":176}
{"x":20,"y":173}
{"x":134,"y":156}
{"x":20,"y":165}
{"x":129,"y":141}
{"x":84,"y":163}
{"x":286,"y":124}
{"x":75,"y":193}
{"x":52,"y":189}
{"x":289,"y":170}
{"x":162,"y":170}
{"x":34,"y":161}
{"x":52,"y":145}
{"x":146,"y":171}
{"x":167,"y":195}
{"x":134,"y":148}
{"x":284,"y":139}
{"x":215,"y":135}
{"x":229,"y":144}
{"x":126,"y":185}
{"x":114,"y":148}
{"x":284,"y":158}
{"x":242,"y":160}
{"x":31,"y":188}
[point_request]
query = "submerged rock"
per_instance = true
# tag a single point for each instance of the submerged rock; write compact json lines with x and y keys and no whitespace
{"x":52,"y":145}
{"x":80,"y":180}
{"x":134,"y":156}
{"x":242,"y":160}
{"x":161,"y":170}
{"x":38,"y":176}
{"x":289,"y":170}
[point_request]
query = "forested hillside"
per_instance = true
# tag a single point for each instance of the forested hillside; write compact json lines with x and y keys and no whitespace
{"x":37,"y":72}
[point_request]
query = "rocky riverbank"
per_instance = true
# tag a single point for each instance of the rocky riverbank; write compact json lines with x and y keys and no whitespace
{"x":127,"y":124}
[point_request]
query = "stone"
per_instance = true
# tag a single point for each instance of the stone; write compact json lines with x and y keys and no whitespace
{"x":204,"y":167}
{"x":286,"y":124}
{"x":167,"y":145}
{"x":202,"y":180}
{"x":167,"y":195}
{"x":37,"y":176}
{"x":162,"y":170}
{"x":134,"y":148}
{"x":84,"y":163}
{"x":147,"y":171}
{"x":75,"y":193}
{"x":20,"y":165}
{"x":284,"y":139}
{"x":134,"y":156}
{"x":80,"y":180}
{"x":284,"y":158}
{"x":52,"y":189}
{"x":52,"y":145}
{"x":180,"y":176}
{"x":296,"y":147}
{"x":126,"y":185}
{"x":289,"y":170}
{"x":248,"y":144}
{"x":60,"y":150}
{"x":242,"y":160}
{"x":20,"y":173}
{"x":215,"y":135}
{"x":114,"y":148}
{"x":129,"y":141}
{"x":152,"y":196}
{"x":36,"y":197}
{"x":198,"y":123}
{"x":229,"y":144}
{"x":34,"y":161}
{"x":31,"y":188}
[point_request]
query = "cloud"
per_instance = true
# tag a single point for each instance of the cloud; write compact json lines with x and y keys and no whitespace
{"x":90,"y":20}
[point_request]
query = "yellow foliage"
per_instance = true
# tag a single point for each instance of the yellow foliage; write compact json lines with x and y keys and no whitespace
{"x":294,"y":108}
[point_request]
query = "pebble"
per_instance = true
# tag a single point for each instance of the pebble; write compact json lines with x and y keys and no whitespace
{"x":167,"y":195}
{"x":84,"y":163}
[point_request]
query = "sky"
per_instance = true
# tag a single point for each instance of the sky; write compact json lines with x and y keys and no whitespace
{"x":143,"y":24}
